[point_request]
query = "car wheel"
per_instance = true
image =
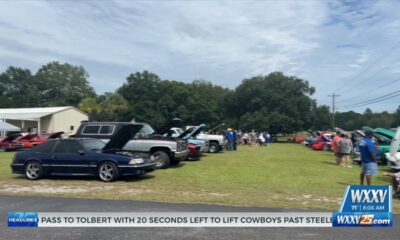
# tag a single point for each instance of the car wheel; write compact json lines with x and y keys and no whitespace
{"x":108,"y":172}
{"x":213,"y":148}
{"x":33,"y":170}
{"x":162,"y":159}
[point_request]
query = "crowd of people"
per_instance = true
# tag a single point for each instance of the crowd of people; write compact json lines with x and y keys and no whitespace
{"x":343,"y":147}
{"x":253,"y":138}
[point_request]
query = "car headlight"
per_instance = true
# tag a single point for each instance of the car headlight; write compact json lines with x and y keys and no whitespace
{"x":136,"y":161}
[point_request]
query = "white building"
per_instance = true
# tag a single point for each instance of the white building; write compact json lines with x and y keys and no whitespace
{"x":45,"y":119}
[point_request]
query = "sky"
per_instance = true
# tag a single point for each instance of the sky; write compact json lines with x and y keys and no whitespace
{"x":350,"y":48}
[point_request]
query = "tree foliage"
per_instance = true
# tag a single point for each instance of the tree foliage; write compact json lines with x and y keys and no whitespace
{"x":17,"y":88}
{"x":62,"y":84}
{"x":275,"y":102}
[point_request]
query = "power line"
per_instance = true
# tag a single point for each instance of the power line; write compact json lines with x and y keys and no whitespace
{"x":375,"y":100}
{"x":371,"y":77}
{"x":385,"y":54}
{"x":368,"y":91}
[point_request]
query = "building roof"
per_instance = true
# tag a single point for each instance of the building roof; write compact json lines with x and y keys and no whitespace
{"x":8,"y":127}
{"x":31,"y":113}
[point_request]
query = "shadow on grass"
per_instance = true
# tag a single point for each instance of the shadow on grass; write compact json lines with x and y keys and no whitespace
{"x":330,"y":163}
{"x":179,"y":165}
{"x":91,"y":178}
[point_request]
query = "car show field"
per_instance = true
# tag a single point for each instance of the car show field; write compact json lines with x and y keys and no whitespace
{"x":280,"y":175}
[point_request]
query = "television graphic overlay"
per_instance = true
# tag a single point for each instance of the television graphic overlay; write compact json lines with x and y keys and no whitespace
{"x":23,"y":219}
{"x":365,"y":206}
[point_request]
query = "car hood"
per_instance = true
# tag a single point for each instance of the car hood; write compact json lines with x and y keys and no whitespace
{"x":122,"y":136}
{"x":216,"y":127}
{"x":387,"y":133}
{"x":11,"y":138}
{"x":27,"y":137}
{"x":165,"y":128}
{"x":192,"y":132}
{"x":55,"y":135}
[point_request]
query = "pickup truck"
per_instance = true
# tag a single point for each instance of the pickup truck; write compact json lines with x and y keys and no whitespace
{"x":165,"y":150}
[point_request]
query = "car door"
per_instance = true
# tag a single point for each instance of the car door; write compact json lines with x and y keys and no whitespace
{"x":69,"y":158}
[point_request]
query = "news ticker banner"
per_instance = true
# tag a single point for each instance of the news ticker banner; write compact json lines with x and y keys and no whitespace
{"x":169,"y":219}
{"x":362,"y":206}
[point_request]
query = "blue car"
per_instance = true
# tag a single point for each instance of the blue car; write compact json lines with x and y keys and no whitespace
{"x":191,"y":133}
{"x":84,"y":156}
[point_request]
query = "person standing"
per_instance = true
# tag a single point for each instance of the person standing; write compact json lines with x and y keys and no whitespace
{"x":395,"y":179}
{"x":346,"y":147}
{"x":234,"y":141}
{"x":336,"y":148}
{"x":369,"y":166}
{"x":229,"y":139}
{"x":253,"y":138}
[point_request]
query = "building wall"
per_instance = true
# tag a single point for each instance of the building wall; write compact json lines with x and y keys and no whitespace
{"x":67,"y":121}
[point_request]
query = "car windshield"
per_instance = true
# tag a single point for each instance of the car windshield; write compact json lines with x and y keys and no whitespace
{"x":92,"y":144}
{"x":146,"y":130}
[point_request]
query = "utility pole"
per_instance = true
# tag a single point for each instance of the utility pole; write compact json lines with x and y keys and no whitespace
{"x":333,"y":96}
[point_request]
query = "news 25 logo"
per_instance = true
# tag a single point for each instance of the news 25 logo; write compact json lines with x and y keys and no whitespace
{"x":365,"y":206}
{"x":23,"y":219}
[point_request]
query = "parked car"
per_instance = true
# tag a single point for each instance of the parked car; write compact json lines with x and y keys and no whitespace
{"x":190,"y":135}
{"x":44,"y":137}
{"x":194,"y":151}
{"x":217,"y":142}
{"x":393,"y":156}
{"x":309,"y":141}
{"x":84,"y":156}
{"x":382,"y":143}
{"x":165,"y":150}
{"x":15,"y":141}
{"x":323,"y":142}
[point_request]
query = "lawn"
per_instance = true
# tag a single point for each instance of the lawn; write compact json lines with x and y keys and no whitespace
{"x":281,"y":175}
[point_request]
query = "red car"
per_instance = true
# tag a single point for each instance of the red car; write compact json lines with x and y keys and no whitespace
{"x":194,"y":151}
{"x":44,"y":137}
{"x":324,"y":142}
{"x":299,"y":139}
{"x":8,"y":143}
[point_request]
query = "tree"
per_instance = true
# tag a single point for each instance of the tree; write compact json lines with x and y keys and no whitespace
{"x":91,"y":106}
{"x":282,"y":101}
{"x":17,"y":88}
{"x":62,"y":84}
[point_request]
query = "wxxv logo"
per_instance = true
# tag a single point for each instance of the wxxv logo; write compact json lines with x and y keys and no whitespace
{"x":365,"y":206}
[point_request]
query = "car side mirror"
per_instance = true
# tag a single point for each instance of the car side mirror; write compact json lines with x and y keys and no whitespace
{"x":81,"y":152}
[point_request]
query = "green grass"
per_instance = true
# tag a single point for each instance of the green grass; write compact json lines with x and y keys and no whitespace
{"x":282,"y":175}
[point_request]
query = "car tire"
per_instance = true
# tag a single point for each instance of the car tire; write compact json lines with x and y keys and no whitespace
{"x":162,"y":159}
{"x":33,"y":170}
{"x":108,"y":172}
{"x":213,"y":148}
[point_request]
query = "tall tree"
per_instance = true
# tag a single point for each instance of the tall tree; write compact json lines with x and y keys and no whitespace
{"x":283,"y":101}
{"x":62,"y":84}
{"x":17,"y":88}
